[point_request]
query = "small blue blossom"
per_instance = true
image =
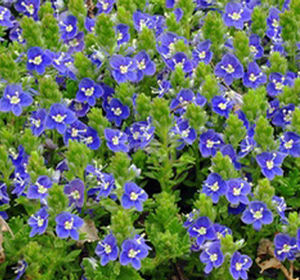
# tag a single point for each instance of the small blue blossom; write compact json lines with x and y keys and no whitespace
{"x":273,"y":108}
{"x":229,"y":68}
{"x":202,"y":229}
{"x":276,"y":83}
{"x":221,"y":231}
{"x":236,"y":15}
{"x":141,"y":20}
{"x":67,"y":224}
{"x":80,"y":109}
{"x":20,"y":269}
{"x":290,"y":144}
{"x":256,"y":49}
{"x":183,"y":98}
{"x":239,"y":265}
{"x":123,"y":68}
{"x":14,"y":98}
{"x":39,"y":190}
{"x":132,"y":253}
{"x":105,"y":6}
{"x":212,"y":257}
{"x":181,"y":60}
{"x":133,"y":196}
{"x":75,"y":192}
{"x":116,"y":140}
{"x":280,"y":206}
{"x":209,"y":142}
{"x":214,"y":186}
{"x":89,"y":24}
{"x":285,"y":247}
{"x":254,"y":77}
{"x":145,"y":66}
{"x":246,"y":146}
{"x":5,"y":17}
{"x":222,"y":105}
{"x":270,"y":163}
{"x":38,"y":121}
{"x":237,"y":191}
{"x":29,"y":8}
{"x":38,"y":222}
{"x":283,"y":116}
{"x":76,"y":44}
{"x":104,"y":187}
{"x":68,"y":27}
{"x":4,"y":198}
{"x":257,"y":214}
{"x":107,"y":249}
{"x":122,"y":33}
{"x":116,"y":111}
{"x":59,"y":117}
{"x":202,"y":52}
{"x":38,"y":60}
{"x":88,"y":91}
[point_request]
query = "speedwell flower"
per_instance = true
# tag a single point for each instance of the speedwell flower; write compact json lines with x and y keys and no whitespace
{"x":88,"y":91}
{"x":39,"y":190}
{"x":123,"y":68}
{"x":214,"y":186}
{"x":116,"y":140}
{"x":237,"y":191}
{"x":239,"y":265}
{"x":209,"y":142}
{"x":38,"y":60}
{"x":212,"y":257}
{"x":38,"y":222}
{"x":290,"y":144}
{"x":202,"y":229}
{"x":236,"y":15}
{"x":133,"y":196}
{"x":107,"y":249}
{"x":75,"y":192}
{"x":67,"y":224}
{"x":285,"y":247}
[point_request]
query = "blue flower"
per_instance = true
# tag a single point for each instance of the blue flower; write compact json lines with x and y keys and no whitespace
{"x":290,"y":144}
{"x":89,"y":24}
{"x":273,"y":22}
{"x":145,"y":66}
{"x":123,"y":68}
{"x":4,"y":198}
{"x":107,"y":249}
{"x":59,"y":117}
{"x":273,"y":108}
{"x":14,"y":99}
{"x":228,"y":150}
{"x":28,"y":7}
{"x":214,"y":186}
{"x":255,"y":47}
{"x":116,"y":111}
{"x":80,"y":109}
{"x":75,"y":192}
{"x":37,"y":60}
{"x":141,"y":20}
{"x":105,"y":6}
{"x":68,"y":27}
{"x":181,"y":60}
{"x":221,"y":231}
{"x":222,"y":105}
{"x":209,"y":142}
{"x":38,"y":121}
{"x":285,"y":247}
{"x":178,"y":14}
{"x":105,"y":185}
{"x":237,"y":191}
{"x":202,"y":52}
{"x":202,"y":229}
{"x":122,"y":33}
{"x":257,"y":214}
{"x":5,"y":17}
{"x":40,"y":189}
{"x":254,"y":77}
{"x":88,"y":91}
{"x":276,"y":83}
{"x":132,"y":253}
{"x":270,"y":163}
{"x":74,"y":131}
{"x":91,"y":138}
{"x":280,"y":206}
{"x":38,"y":222}
{"x":229,"y":68}
{"x":236,"y":15}
{"x":246,"y":146}
{"x":116,"y":140}
{"x":20,"y":180}
{"x":133,"y":196}
{"x":20,"y":269}
{"x":212,"y":257}
{"x":183,"y":98}
{"x":283,"y":116}
{"x":67,"y":224}
{"x":239,"y":265}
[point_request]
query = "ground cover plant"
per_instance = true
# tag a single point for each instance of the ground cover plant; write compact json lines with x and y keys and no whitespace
{"x":149,"y":139}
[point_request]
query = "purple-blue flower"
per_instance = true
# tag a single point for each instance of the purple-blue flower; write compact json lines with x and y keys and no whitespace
{"x":145,"y":66}
{"x":132,"y":253}
{"x":38,"y":222}
{"x":270,"y":163}
{"x":67,"y":224}
{"x":221,"y":231}
{"x":182,"y":99}
{"x":237,"y":191}
{"x":75,"y":192}
{"x":68,"y":27}
{"x":123,"y":68}
{"x":181,"y":60}
{"x":80,"y":109}
{"x":20,"y":269}
{"x":104,"y":187}
{"x":39,"y":190}
{"x":276,"y":83}
{"x":37,"y":60}
{"x":246,"y":146}
{"x":283,"y":116}
{"x":107,"y":249}
{"x":59,"y":117}
{"x":141,"y":20}
{"x":257,"y":214}
{"x":14,"y":98}
{"x":280,"y":206}
{"x":209,"y":142}
{"x":236,"y":15}
{"x":122,"y":33}
{"x":254,"y":77}
{"x":5,"y":17}
{"x":256,"y":49}
{"x":38,"y":121}
{"x":105,"y":6}
{"x":88,"y":91}
{"x":285,"y":247}
{"x":212,"y":257}
{"x":133,"y":196}
{"x":222,"y":105}
{"x":116,"y":111}
{"x":28,"y":7}
{"x":116,"y":140}
{"x":290,"y":144}
{"x":202,"y":52}
{"x":202,"y":229}
{"x":214,"y":186}
{"x":239,"y":265}
{"x":76,"y":44}
{"x":229,"y":68}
